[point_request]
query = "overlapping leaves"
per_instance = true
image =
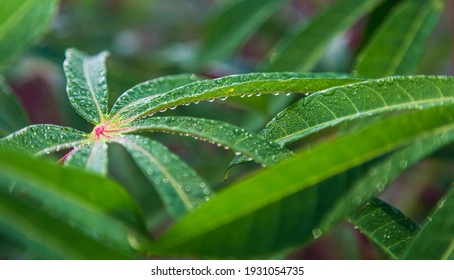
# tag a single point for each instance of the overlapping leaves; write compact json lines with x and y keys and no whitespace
{"x":180,"y":187}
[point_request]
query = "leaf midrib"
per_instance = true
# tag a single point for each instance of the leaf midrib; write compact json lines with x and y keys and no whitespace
{"x":172,"y":180}
{"x":407,"y":41}
{"x":91,"y":89}
{"x":340,"y":168}
{"x":359,"y":114}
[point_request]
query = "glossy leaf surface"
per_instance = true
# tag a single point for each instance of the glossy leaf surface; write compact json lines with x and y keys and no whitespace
{"x":87,"y":85}
{"x":333,"y":106}
{"x":244,"y":211}
{"x":179,"y":186}
{"x":224,"y":134}
{"x":386,"y":226}
{"x":44,"y":138}
{"x":153,"y":87}
{"x":235,"y":85}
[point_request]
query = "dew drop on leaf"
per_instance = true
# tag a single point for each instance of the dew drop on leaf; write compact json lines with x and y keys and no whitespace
{"x":316,"y":232}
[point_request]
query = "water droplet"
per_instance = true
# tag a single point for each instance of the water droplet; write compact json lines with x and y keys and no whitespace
{"x":288,"y":94}
{"x":249,"y":95}
{"x":277,"y":93}
{"x":316,"y":232}
{"x":238,"y":153}
{"x":258,"y":94}
{"x":173,"y":108}
{"x":163,"y":110}
{"x":243,"y":95}
{"x":403,"y":164}
{"x":211,"y":100}
{"x":223,"y":98}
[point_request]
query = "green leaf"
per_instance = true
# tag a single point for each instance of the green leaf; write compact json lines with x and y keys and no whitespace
{"x":235,"y":85}
{"x":87,"y":85}
{"x":230,"y":27}
{"x":301,"y":49}
{"x":248,"y":212}
{"x":398,"y":45}
{"x":224,"y":134}
{"x":386,"y":226}
{"x":21,"y":22}
{"x":153,"y":87}
{"x":44,"y":138}
{"x":92,"y":157}
{"x":31,"y":226}
{"x":72,"y":197}
{"x":12,"y":116}
{"x":378,"y":174}
{"x":344,"y":103}
{"x":436,"y":239}
{"x":179,"y":186}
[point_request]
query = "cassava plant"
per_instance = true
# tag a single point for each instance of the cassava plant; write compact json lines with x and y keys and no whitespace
{"x":386,"y":120}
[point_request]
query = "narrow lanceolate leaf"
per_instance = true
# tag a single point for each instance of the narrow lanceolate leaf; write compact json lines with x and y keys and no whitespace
{"x":179,"y":186}
{"x":154,"y":87}
{"x":398,"y":45}
{"x":87,"y":85}
{"x":377,"y":175}
{"x":306,"y":43}
{"x":235,"y":85}
{"x":366,"y":181}
{"x":344,"y":103}
{"x":12,"y":116}
{"x":91,"y":157}
{"x":224,"y":134}
{"x":21,"y":22}
{"x":233,"y":25}
{"x":386,"y":226}
{"x":246,"y":209}
{"x":44,"y":138}
{"x":30,"y":227}
{"x":74,"y":198}
{"x":436,"y":239}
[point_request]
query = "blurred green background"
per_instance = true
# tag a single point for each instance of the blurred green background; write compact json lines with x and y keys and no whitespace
{"x":148,"y":39}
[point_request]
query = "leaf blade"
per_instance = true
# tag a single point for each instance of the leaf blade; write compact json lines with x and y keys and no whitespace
{"x":227,"y":135}
{"x":92,"y":157}
{"x":230,"y":27}
{"x":301,"y":49}
{"x":398,"y":45}
{"x":235,"y":85}
{"x":344,"y":103}
{"x":12,"y":115}
{"x":179,"y":186}
{"x":436,"y":239}
{"x":381,"y":223}
{"x":75,"y":198}
{"x":21,"y":22}
{"x":154,"y":87}
{"x":87,"y":85}
{"x":306,"y":168}
{"x":42,"y":139}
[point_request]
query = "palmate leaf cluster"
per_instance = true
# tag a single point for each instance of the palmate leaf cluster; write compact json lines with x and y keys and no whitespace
{"x":392,"y":120}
